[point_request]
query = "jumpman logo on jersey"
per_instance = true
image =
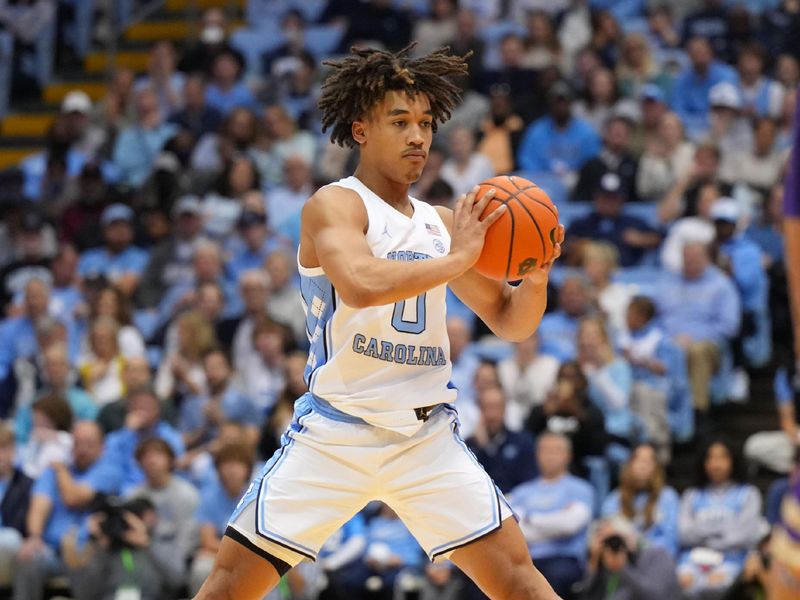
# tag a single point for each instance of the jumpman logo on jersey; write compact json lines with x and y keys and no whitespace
{"x":386,"y":230}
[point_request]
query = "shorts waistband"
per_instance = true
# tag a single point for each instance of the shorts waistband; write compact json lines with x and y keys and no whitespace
{"x":326,"y":409}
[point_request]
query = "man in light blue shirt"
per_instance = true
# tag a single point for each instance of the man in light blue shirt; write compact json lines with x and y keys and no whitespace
{"x":118,"y":260}
{"x":137,"y":146}
{"x":59,"y":506}
{"x":701,"y":311}
{"x":558,"y":143}
{"x":692,"y":86}
{"x":142,"y":421}
{"x":226,"y":91}
{"x":554,"y":511}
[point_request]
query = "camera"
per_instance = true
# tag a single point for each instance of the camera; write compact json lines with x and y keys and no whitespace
{"x":615,"y":543}
{"x":113,"y":509}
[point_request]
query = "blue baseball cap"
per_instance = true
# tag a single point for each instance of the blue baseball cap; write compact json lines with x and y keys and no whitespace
{"x":651,"y":91}
{"x":116,"y":212}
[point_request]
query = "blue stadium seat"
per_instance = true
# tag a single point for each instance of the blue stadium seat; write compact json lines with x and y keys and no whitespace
{"x":323,"y":40}
{"x":646,"y":211}
{"x":253,"y":43}
{"x":572,"y":211}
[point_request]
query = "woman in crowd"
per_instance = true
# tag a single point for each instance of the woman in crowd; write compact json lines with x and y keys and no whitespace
{"x":101,"y":367}
{"x":51,"y":438}
{"x":719,"y":522}
{"x":644,"y":498}
{"x":181,"y":372}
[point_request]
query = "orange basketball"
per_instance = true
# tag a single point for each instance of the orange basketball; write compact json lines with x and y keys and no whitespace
{"x":522,"y":239}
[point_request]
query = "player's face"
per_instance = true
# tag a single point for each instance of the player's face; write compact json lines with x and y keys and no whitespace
{"x":397,"y":136}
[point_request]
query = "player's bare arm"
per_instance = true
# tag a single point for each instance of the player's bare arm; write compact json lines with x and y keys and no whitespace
{"x":333,"y":236}
{"x":512,"y":312}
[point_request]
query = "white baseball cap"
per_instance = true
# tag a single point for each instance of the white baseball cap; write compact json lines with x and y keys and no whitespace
{"x":76,"y":101}
{"x":725,"y":95}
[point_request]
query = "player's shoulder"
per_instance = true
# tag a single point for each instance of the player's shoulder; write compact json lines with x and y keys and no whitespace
{"x":334,"y":202}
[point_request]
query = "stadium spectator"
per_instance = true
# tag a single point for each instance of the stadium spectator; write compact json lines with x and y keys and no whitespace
{"x":761,"y":96}
{"x":108,"y":302}
{"x":32,"y":258}
{"x":222,"y":206}
{"x":690,"y":92}
{"x":709,"y":21}
{"x":526,"y":377}
{"x":391,"y":551}
{"x":284,"y":202}
{"x":199,"y":56}
{"x":559,"y":143}
{"x":721,"y":516}
{"x":135,"y":375}
{"x":501,"y":133}
{"x":637,"y":70}
{"x":614,"y":157}
{"x":87,"y":138}
{"x":142,"y":421}
{"x":466,"y":167}
{"x":284,"y":139}
{"x":507,"y":456}
{"x":652,"y":108}
{"x":757,"y":165}
{"x":610,"y":380}
{"x":180,"y":373}
{"x":175,"y":500}
{"x":118,"y":260}
{"x":237,"y":332}
{"x":16,"y":495}
{"x":202,"y":414}
{"x":729,"y":130}
{"x":646,"y":500}
{"x":610,"y":298}
{"x":234,"y":465}
{"x":20,"y":336}
{"x":601,"y":99}
{"x":542,"y":47}
{"x":285,"y":305}
{"x":116,"y":110}
{"x":630,"y":235}
{"x":435,"y":30}
{"x":225,"y":90}
{"x":58,"y":379}
{"x":683,"y":199}
{"x":101,"y":366}
{"x":59,"y":502}
{"x":65,"y":293}
{"x":137,"y":146}
{"x":567,"y":410}
{"x":170,"y":262}
{"x":558,"y":328}
{"x":195,"y":115}
{"x":698,"y":228}
{"x":667,"y":159}
{"x":207,"y":267}
{"x":254,"y":243}
{"x":555,"y":510}
{"x":265,"y":376}
{"x":237,"y":135}
{"x":618,"y":560}
{"x":701,"y":312}
{"x":138,"y":561}
{"x":162,"y":77}
{"x":741,"y":259}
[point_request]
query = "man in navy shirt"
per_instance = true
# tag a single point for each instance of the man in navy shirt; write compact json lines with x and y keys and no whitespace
{"x":632,"y":236}
{"x":507,"y":456}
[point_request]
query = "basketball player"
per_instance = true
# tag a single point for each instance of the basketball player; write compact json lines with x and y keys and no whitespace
{"x":378,"y":422}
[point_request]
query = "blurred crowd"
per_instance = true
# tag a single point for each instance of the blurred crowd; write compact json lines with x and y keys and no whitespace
{"x":154,"y":337}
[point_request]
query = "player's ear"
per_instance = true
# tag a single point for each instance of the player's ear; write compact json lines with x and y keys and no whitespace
{"x":359,"y":132}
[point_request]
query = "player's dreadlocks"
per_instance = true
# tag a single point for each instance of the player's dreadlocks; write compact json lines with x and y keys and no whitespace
{"x":362,"y":79}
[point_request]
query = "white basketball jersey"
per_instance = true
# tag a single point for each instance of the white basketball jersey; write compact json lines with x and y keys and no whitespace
{"x":380,"y":362}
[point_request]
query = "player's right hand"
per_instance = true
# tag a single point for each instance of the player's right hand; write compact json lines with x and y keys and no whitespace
{"x":469,"y":230}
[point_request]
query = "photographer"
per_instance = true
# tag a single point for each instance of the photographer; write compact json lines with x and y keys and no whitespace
{"x":123,"y":556}
{"x":621,"y":568}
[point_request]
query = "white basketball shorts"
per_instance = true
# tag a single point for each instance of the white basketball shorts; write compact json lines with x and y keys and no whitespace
{"x":330,"y":465}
